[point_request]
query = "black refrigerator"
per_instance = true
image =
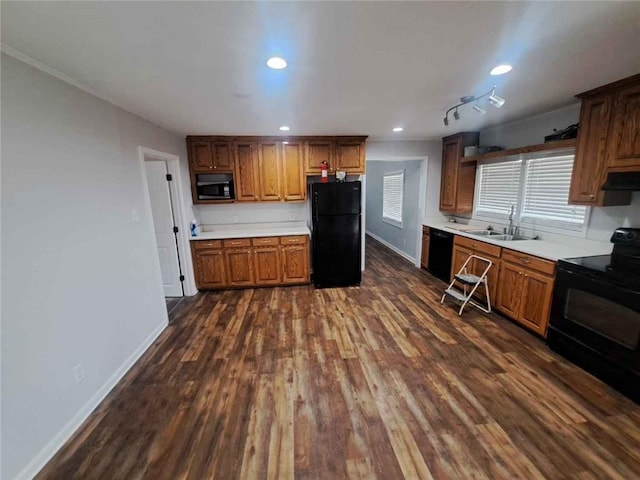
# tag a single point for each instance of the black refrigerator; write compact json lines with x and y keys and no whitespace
{"x":336,"y":238}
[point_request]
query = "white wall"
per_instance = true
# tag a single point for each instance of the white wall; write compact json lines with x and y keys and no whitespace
{"x":603,"y":221}
{"x":80,"y":279}
{"x":253,"y":212}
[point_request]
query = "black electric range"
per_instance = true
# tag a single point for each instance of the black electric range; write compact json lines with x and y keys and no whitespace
{"x":595,"y":313}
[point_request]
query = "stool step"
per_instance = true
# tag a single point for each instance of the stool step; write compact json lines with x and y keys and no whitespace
{"x":469,"y":279}
{"x":456,"y":294}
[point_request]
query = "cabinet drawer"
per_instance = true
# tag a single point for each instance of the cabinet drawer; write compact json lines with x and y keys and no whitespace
{"x":261,"y":241}
{"x":478,"y":246}
{"x":294,"y":240}
{"x":237,"y":242}
{"x":202,"y":244}
{"x":529,"y":261}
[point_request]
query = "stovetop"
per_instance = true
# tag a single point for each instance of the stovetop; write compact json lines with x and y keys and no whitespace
{"x":602,"y":266}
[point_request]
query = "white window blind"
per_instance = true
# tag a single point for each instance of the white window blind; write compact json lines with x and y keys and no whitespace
{"x":546,"y":193}
{"x":499,"y":187}
{"x":392,"y":197}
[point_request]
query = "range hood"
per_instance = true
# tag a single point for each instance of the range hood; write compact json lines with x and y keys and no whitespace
{"x":628,"y":181}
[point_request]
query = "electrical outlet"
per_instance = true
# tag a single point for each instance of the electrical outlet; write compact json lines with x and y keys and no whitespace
{"x":292,"y":216}
{"x":78,"y":374}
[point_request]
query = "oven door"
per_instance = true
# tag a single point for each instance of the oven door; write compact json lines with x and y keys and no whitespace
{"x":596,"y":324}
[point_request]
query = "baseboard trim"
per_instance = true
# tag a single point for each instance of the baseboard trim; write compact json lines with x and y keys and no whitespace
{"x":391,"y":247}
{"x":41,"y":459}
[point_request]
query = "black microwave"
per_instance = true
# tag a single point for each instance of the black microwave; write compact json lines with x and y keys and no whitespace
{"x":216,"y":190}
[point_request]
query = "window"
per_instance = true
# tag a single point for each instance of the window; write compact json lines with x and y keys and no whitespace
{"x":536,"y":185}
{"x":392,"y":197}
{"x":546,"y":193}
{"x":499,"y":185}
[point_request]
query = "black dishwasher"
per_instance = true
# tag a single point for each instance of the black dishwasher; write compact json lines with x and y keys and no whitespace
{"x":440,"y":250}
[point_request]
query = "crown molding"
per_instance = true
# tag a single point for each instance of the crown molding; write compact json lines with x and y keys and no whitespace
{"x":18,"y":55}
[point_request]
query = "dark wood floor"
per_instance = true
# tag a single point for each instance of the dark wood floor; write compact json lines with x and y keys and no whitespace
{"x":379,"y":381}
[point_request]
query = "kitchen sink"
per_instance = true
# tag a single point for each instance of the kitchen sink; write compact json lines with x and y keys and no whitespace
{"x":497,"y":235}
{"x":485,"y":233}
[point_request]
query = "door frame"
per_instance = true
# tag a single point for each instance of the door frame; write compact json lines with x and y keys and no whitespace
{"x":422,"y":195}
{"x":177,"y":200}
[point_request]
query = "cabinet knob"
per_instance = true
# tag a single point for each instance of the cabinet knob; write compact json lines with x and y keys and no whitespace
{"x":592,"y":196}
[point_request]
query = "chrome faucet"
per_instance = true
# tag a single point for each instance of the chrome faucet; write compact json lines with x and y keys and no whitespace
{"x":513,"y":230}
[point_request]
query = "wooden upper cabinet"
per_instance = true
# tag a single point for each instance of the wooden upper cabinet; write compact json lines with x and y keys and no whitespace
{"x":222,"y":156}
{"x":269,"y":170}
{"x":246,"y":172}
{"x":200,"y":157}
{"x":210,"y":156}
{"x":608,"y":141}
{"x":624,"y":149}
{"x":318,"y":151}
{"x":350,"y":155}
{"x":294,"y":186}
{"x":590,"y":161}
{"x":458,"y":177}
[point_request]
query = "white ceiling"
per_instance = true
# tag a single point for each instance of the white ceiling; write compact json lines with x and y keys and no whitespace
{"x":354,"y":67}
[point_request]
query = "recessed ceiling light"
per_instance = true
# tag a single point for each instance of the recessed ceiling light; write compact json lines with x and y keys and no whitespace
{"x":285,"y":128}
{"x":277,"y":63}
{"x":398,"y":129}
{"x":501,"y":69}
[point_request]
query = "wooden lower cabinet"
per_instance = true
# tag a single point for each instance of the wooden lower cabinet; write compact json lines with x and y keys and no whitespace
{"x":267,"y":266}
{"x":295,"y":264}
{"x":251,"y":262}
{"x":462,"y":248}
{"x":424,"y":255}
{"x":210,"y":269}
{"x":239,"y":263}
{"x":525,"y":290}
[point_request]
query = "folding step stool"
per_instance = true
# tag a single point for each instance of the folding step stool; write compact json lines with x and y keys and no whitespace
{"x":467,"y":279}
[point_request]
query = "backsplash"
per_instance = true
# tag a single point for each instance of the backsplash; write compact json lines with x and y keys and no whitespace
{"x":253,"y":212}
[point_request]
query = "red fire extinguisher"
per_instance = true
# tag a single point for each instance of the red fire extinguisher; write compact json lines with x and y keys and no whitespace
{"x":325,"y":172}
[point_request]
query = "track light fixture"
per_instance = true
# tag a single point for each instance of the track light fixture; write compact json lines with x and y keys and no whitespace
{"x":491,"y":96}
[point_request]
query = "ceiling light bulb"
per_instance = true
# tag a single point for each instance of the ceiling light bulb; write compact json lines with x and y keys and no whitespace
{"x":398,"y":129}
{"x":456,"y":115}
{"x":277,"y":63}
{"x":285,"y":128}
{"x":496,"y":101}
{"x":479,"y":109}
{"x":446,"y":121}
{"x":501,"y":69}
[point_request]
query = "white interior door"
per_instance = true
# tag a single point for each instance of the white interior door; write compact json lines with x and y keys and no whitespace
{"x":163,"y":223}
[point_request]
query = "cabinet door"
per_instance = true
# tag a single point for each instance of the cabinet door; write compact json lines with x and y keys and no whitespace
{"x":269,"y":171}
{"x":295,"y":264}
{"x":316,"y":152}
{"x":350,"y":156}
{"x":424,"y":255}
{"x":267,"y":265}
{"x":510,"y":289}
{"x":246,"y":181}
{"x":449,"y":178}
{"x":239,"y":263}
{"x":589,"y":164}
{"x":210,"y":269}
{"x":200,"y":156}
{"x":537,"y":293}
{"x":624,"y":141}
{"x":458,"y":258}
{"x":479,"y":267}
{"x":222,"y":158}
{"x":294,"y":184}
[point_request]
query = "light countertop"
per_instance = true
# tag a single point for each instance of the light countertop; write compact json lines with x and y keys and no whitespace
{"x":540,"y":248}
{"x":250,"y":230}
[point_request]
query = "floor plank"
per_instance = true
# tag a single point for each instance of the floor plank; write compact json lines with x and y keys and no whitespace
{"x":377,"y":381}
